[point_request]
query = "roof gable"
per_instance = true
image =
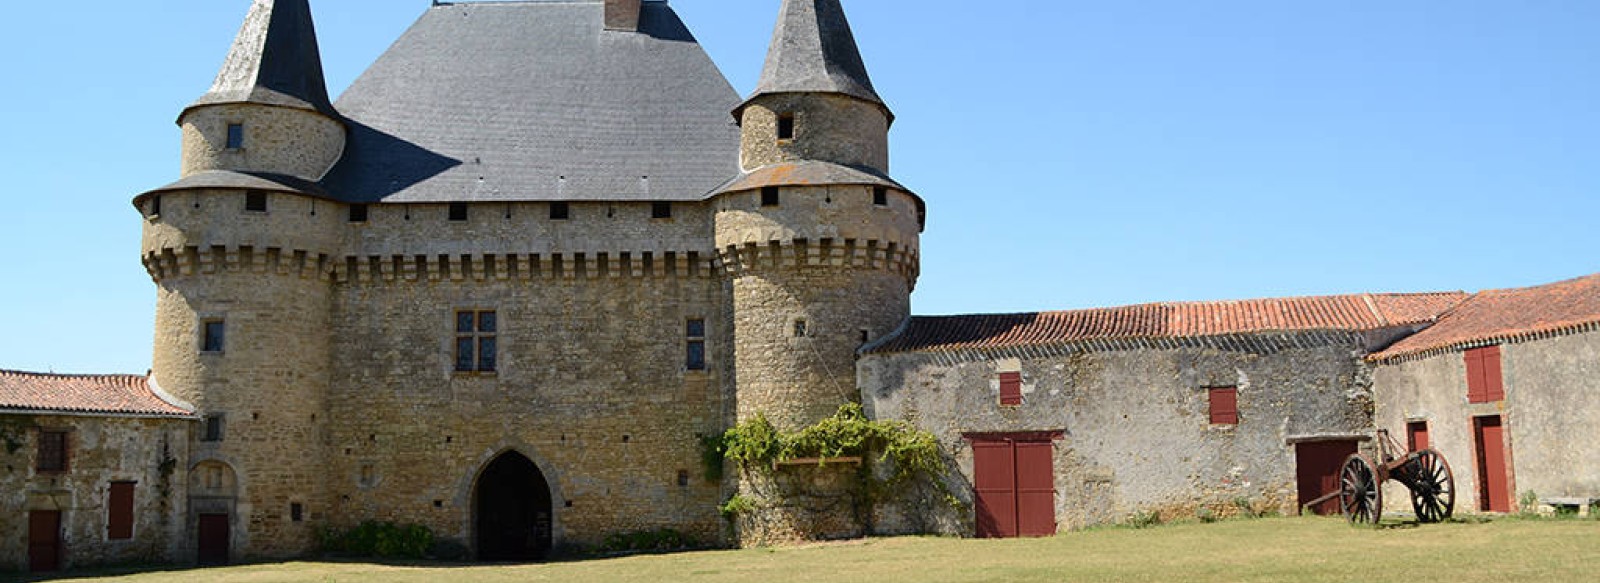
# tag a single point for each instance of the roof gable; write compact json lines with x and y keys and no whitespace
{"x":531,"y":101}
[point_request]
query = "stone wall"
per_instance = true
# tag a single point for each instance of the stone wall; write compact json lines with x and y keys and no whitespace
{"x":280,"y":140}
{"x":1136,"y":436}
{"x":101,"y":450}
{"x":1548,"y":411}
{"x":591,"y":385}
{"x":827,"y":127}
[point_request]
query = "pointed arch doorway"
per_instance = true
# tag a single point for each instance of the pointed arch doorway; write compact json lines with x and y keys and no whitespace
{"x":511,"y":510}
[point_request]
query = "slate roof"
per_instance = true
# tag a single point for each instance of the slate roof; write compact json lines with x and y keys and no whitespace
{"x":814,"y":51}
{"x":1354,"y":313}
{"x":534,"y":101}
{"x":83,"y":394}
{"x":1507,"y":315}
{"x":236,"y":180}
{"x":274,"y":61}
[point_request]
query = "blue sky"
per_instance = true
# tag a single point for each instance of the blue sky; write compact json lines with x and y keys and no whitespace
{"x":1072,"y":153}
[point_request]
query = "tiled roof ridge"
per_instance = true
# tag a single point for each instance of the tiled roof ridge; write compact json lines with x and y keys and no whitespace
{"x":1190,"y":303}
{"x":137,"y":377}
{"x":1403,"y":351}
{"x":86,"y":394}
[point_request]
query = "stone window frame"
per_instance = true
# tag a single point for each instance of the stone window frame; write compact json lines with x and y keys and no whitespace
{"x":359,"y":213}
{"x":771,"y":196}
{"x":234,"y":140}
{"x":154,"y":211}
{"x":476,"y":336}
{"x":691,"y":341}
{"x":560,"y":211}
{"x":60,"y":457}
{"x":786,"y":126}
{"x":880,"y":196}
{"x":213,"y":428}
{"x":205,"y":336}
{"x":661,"y":210}
{"x":458,"y":212}
{"x":257,"y":202}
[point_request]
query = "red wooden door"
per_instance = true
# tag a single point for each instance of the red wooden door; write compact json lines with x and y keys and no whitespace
{"x":994,"y":484}
{"x":44,"y":540}
{"x":1317,"y":465}
{"x":1036,"y":488}
{"x":1014,"y":485}
{"x":1494,"y":492}
{"x":213,"y":537}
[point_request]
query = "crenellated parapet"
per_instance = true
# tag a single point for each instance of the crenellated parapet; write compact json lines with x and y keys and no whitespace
{"x":169,"y":263}
{"x":903,"y":259}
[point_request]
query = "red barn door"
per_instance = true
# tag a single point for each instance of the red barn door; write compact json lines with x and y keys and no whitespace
{"x":1494,"y":488}
{"x":44,"y":540}
{"x":1317,"y":465}
{"x":1014,"y":485}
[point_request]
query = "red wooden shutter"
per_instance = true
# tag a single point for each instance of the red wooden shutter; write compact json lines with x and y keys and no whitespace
{"x":119,"y":522}
{"x":994,"y":483}
{"x":1417,"y":435}
{"x":1475,"y":389}
{"x":1494,"y":388}
{"x":1011,"y":388}
{"x":1036,"y":488}
{"x":1225,"y":406}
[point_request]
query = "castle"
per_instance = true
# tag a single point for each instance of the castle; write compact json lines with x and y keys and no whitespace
{"x":505,"y":285}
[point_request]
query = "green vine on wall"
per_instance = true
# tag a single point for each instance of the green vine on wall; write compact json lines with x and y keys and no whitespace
{"x":14,"y":432}
{"x":757,"y":445}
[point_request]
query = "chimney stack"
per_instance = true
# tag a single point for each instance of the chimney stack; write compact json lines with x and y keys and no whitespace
{"x":622,"y":15}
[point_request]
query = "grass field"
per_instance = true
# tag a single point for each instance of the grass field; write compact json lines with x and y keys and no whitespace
{"x":1285,"y":549}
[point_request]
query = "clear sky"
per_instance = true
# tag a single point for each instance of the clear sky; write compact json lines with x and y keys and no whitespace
{"x":1073,"y":153}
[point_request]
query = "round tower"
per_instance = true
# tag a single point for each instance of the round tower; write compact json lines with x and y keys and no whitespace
{"x":821,"y":245}
{"x":240,"y":255}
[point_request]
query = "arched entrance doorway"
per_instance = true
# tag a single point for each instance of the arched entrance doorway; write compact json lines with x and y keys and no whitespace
{"x":512,"y":510}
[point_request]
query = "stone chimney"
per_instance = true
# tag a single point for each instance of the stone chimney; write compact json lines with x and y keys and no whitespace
{"x":622,"y":15}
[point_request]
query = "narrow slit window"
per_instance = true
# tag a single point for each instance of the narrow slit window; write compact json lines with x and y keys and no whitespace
{"x":800,"y":329}
{"x":560,"y":211}
{"x":695,"y":345}
{"x":880,"y":196}
{"x":786,"y":126}
{"x":458,"y":211}
{"x":235,"y":136}
{"x":661,"y":210}
{"x":297,"y":512}
{"x":255,"y":201}
{"x":769,"y":196}
{"x":358,"y":213}
{"x":213,"y":335}
{"x":155,"y":206}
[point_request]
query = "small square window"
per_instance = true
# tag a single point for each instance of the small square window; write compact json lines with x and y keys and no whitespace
{"x":155,"y":206}
{"x":880,"y":196}
{"x":560,"y":211}
{"x":211,"y":427}
{"x":458,"y":211}
{"x":661,"y":210}
{"x":695,"y":345}
{"x":52,"y":451}
{"x":255,"y":201}
{"x":235,"y":136}
{"x":297,"y":512}
{"x":769,"y":196}
{"x":1224,"y":405}
{"x":213,"y":336}
{"x":358,"y":213}
{"x":799,"y":328}
{"x":696,"y":328}
{"x":786,"y":126}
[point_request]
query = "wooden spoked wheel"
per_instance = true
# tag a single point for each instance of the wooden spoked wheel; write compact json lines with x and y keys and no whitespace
{"x":1360,"y":494}
{"x":1433,"y":487}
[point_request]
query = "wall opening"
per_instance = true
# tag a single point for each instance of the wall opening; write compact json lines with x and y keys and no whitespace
{"x":512,"y":512}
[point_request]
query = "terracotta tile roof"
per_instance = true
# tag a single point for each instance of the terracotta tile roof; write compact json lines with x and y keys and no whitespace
{"x":93,"y":394}
{"x":1170,"y":320}
{"x":1507,"y":315}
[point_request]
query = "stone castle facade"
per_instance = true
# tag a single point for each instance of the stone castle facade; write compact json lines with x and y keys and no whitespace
{"x":505,"y":285}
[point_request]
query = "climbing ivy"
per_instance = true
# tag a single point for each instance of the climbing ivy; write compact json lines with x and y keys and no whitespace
{"x":14,"y":432}
{"x":757,"y":445}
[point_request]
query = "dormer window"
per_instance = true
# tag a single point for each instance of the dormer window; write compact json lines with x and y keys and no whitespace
{"x":786,"y":126}
{"x":458,"y":211}
{"x":661,"y":210}
{"x":880,"y":196}
{"x":255,"y":201}
{"x":769,"y":196}
{"x":559,"y":211}
{"x":235,"y":136}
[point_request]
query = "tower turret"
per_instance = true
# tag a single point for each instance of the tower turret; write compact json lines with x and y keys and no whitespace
{"x":268,"y":110}
{"x":821,"y":244}
{"x":240,"y":255}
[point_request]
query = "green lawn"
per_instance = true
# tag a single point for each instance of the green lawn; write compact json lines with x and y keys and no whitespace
{"x":1287,"y":549}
